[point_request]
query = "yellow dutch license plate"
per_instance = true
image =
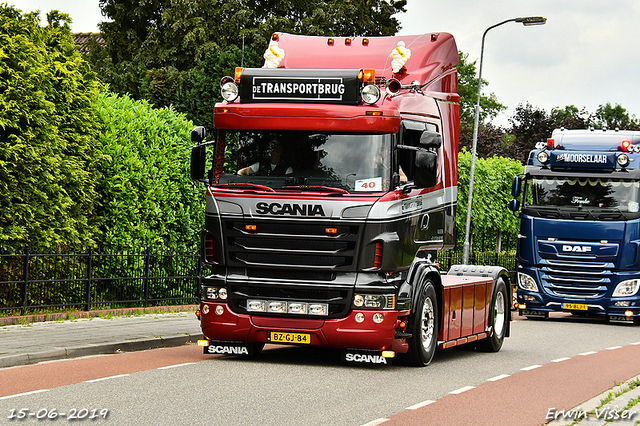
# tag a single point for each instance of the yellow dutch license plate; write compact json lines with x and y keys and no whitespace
{"x":276,"y":337}
{"x":575,"y":306}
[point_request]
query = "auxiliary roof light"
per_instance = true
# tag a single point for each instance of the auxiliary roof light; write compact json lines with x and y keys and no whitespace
{"x":228,"y":89}
{"x":543,"y":157}
{"x":623,"y":160}
{"x":370,"y":94}
{"x":625,"y":146}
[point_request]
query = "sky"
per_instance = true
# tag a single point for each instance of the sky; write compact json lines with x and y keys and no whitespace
{"x":585,"y":55}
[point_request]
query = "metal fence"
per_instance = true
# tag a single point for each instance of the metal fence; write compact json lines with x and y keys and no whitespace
{"x":35,"y":280}
{"x":102,"y":278}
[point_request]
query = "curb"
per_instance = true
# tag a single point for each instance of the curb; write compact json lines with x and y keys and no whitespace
{"x":99,"y":349}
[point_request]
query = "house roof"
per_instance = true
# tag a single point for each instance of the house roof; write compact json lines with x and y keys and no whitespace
{"x":82,"y":41}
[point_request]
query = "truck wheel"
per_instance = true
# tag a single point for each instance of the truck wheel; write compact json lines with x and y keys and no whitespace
{"x":497,"y":319}
{"x":422,"y":345}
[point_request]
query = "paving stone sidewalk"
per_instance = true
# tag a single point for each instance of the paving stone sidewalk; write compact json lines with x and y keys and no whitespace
{"x":45,"y":341}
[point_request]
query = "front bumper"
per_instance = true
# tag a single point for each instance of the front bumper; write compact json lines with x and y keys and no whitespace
{"x":602,"y":306}
{"x":222,"y":324}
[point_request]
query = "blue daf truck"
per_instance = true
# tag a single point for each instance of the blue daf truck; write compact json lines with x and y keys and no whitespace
{"x":579,"y":240}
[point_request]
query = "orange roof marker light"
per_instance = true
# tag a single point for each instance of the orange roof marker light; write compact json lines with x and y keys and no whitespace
{"x":330,"y":42}
{"x":370,"y":93}
{"x":365,"y":41}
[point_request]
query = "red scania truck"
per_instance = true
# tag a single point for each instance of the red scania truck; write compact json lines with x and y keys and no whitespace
{"x":343,"y":189}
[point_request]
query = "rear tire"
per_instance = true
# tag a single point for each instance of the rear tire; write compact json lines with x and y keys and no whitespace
{"x":497,"y":319}
{"x":425,"y":327}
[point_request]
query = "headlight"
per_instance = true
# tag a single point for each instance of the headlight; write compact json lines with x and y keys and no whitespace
{"x":626,"y":288}
{"x":370,"y":94}
{"x":214,"y":293}
{"x":543,"y":157}
{"x":374,"y":301}
{"x":229,"y":91}
{"x":526,"y":282}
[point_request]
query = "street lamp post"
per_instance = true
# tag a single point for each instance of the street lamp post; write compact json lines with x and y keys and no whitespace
{"x":527,"y":21}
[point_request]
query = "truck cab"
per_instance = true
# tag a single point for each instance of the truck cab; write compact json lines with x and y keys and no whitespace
{"x":580,"y":225}
{"x":342,"y":188}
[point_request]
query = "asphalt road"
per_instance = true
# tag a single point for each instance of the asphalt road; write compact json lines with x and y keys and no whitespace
{"x":544,"y":363}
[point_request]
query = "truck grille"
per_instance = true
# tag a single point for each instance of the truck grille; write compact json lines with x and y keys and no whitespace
{"x":290,"y":245}
{"x":576,"y":279}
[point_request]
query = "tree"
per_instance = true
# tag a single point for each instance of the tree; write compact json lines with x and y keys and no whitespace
{"x":48,"y":128}
{"x":173,"y":37}
{"x":614,"y":117}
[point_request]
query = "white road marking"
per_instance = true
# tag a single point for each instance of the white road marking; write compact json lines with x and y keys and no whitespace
{"x":174,"y":366}
{"x":24,"y":393}
{"x":496,"y":378}
{"x":531,"y":367}
{"x":560,"y":359}
{"x":106,"y":378}
{"x":420,"y":405}
{"x":464,"y":389}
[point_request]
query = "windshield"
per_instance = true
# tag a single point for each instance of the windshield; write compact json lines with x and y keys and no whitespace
{"x":351,"y":162}
{"x":594,"y":194}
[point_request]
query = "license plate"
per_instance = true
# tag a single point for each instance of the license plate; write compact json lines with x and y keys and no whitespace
{"x":277,"y":337}
{"x":575,"y":306}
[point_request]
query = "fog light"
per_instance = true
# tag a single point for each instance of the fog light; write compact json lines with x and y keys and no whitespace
{"x":278,"y":307}
{"x":359,"y":317}
{"x":318,"y":309}
{"x":628,"y":313}
{"x":203,"y":343}
{"x":623,"y":303}
{"x":529,"y":298}
{"x":378,"y":318}
{"x":219,"y":310}
{"x":388,"y":354}
{"x":297,"y":308}
{"x":256,"y":305}
{"x":205,"y":309}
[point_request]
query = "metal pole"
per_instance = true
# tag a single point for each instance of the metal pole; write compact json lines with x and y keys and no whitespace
{"x":472,"y":170}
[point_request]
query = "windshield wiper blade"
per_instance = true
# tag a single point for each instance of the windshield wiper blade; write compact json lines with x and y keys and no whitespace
{"x":248,"y":186}
{"x":317,"y":188}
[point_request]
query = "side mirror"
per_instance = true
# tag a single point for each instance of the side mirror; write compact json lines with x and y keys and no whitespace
{"x":514,"y":205}
{"x":431,"y":139}
{"x":198,"y":135}
{"x":426,"y":172}
{"x":198,"y":162}
{"x":516,"y":187}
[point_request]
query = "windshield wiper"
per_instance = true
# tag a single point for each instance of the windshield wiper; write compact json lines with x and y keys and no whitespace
{"x":317,"y":188}
{"x":248,"y":186}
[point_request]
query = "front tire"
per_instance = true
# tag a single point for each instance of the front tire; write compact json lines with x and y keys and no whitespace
{"x":497,"y":319}
{"x":423,"y":343}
